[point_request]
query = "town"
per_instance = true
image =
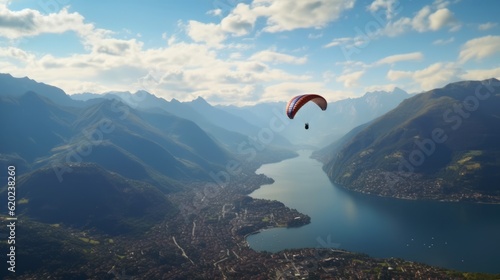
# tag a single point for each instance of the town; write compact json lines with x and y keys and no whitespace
{"x":209,"y":242}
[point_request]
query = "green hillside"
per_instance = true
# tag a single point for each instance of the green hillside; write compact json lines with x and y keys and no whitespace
{"x":441,"y":144}
{"x":90,"y":197}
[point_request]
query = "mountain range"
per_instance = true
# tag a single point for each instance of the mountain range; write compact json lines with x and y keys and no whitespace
{"x":339,"y":118}
{"x":110,"y":134}
{"x":440,"y":144}
{"x":54,"y":141}
{"x":99,"y":176}
{"x":91,"y":198}
{"x":169,"y":143}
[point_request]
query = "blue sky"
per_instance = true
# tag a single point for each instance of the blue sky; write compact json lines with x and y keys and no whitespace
{"x":243,"y":52}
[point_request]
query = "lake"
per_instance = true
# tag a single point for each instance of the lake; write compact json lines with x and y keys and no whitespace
{"x":461,"y":236}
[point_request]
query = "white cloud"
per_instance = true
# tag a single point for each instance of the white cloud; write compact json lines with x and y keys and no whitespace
{"x":17,"y":54}
{"x":215,"y":12}
{"x":27,"y":22}
{"x":209,"y":33}
{"x":481,"y":74}
{"x":419,"y":22}
{"x":487,"y":26}
{"x":400,"y":57}
{"x":315,"y":36}
{"x":394,"y":75}
{"x":286,"y":90}
{"x":351,"y":79}
{"x":441,"y":4}
{"x":338,"y":42}
{"x":441,"y":18}
{"x":398,"y":27}
{"x":275,"y":57}
{"x":425,"y":20}
{"x":116,"y":47}
{"x":285,"y":15}
{"x":442,"y":42}
{"x":281,"y":15}
{"x":479,"y":48}
{"x":390,"y":7}
{"x":236,"y":73}
{"x":434,"y":76}
{"x":386,"y":87}
{"x":240,"y":21}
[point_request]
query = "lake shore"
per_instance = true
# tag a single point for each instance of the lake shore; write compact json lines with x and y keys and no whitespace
{"x":345,"y":203}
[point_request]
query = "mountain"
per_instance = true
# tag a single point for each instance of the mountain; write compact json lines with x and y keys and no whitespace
{"x":441,"y":144}
{"x":351,"y":112}
{"x":35,"y":123}
{"x":325,"y":127}
{"x":221,"y":117}
{"x":110,"y":133}
{"x":329,"y":152}
{"x":90,"y":197}
{"x":232,"y":132}
{"x":15,"y":87}
{"x":258,"y":114}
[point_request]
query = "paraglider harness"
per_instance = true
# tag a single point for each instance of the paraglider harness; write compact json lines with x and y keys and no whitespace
{"x":307,"y":126}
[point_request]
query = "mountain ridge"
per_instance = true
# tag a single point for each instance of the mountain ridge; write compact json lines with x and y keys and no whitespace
{"x":440,"y":144}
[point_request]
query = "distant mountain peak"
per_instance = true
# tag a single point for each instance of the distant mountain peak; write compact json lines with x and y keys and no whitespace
{"x":200,"y":100}
{"x":141,"y":91}
{"x":13,"y":86}
{"x":398,"y":90}
{"x":395,"y":90}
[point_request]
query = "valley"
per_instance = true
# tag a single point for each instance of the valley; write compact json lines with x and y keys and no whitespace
{"x":123,"y":187}
{"x":203,"y":240}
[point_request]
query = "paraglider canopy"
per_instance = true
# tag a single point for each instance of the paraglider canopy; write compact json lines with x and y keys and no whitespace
{"x":298,"y":101}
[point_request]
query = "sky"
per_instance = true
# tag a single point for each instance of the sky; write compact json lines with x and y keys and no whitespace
{"x":244,"y":52}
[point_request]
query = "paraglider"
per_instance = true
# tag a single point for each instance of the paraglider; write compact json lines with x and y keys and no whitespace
{"x":298,"y":101}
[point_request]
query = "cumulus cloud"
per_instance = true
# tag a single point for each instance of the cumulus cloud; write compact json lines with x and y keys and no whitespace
{"x":285,"y":15}
{"x":442,"y":18}
{"x":479,"y":48}
{"x":351,"y":79}
{"x":240,"y":21}
{"x":28,"y":22}
{"x":394,"y":75}
{"x":242,"y":75}
{"x":209,"y":33}
{"x":481,"y":74}
{"x":434,"y":76}
{"x":117,"y":47}
{"x":425,"y":20}
{"x":17,"y":54}
{"x":281,"y":15}
{"x":420,"y":21}
{"x":390,"y":7}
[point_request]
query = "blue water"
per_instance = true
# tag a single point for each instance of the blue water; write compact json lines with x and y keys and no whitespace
{"x":461,"y":236}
